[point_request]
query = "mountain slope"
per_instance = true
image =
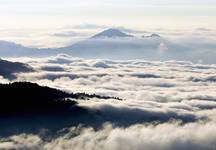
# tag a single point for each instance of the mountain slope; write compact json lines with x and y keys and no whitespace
{"x":111,"y":33}
{"x":26,"y":97}
{"x":10,"y":49}
{"x":114,"y":44}
{"x":7,"y":68}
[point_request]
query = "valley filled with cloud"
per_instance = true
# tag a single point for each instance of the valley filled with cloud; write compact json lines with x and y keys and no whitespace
{"x":108,"y":75}
{"x":162,"y":105}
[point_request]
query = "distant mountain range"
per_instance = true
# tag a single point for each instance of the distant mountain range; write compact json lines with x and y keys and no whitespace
{"x":12,"y":49}
{"x":115,"y":44}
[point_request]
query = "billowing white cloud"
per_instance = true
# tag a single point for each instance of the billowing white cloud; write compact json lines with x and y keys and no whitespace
{"x":166,"y":105}
{"x":167,"y":136}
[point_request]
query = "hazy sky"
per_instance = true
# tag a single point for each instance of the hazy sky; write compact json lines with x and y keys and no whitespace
{"x":33,"y":15}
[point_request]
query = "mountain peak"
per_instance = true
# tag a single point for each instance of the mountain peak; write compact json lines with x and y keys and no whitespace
{"x":111,"y":33}
{"x":153,"y":35}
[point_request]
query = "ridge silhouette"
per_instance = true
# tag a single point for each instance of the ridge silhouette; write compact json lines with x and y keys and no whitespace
{"x":27,"y":98}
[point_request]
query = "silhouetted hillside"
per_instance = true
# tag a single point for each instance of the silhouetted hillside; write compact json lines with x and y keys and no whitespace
{"x":7,"y":68}
{"x":27,"y":98}
{"x":30,"y":108}
{"x":23,"y":97}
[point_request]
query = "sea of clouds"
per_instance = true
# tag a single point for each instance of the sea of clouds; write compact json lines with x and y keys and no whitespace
{"x":166,"y":105}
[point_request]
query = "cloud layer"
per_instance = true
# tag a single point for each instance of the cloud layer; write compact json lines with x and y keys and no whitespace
{"x":166,"y":105}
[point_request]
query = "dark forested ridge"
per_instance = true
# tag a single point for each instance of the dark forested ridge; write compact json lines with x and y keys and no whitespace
{"x":29,"y":108}
{"x":27,"y":98}
{"x":24,"y":97}
{"x":7,"y":68}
